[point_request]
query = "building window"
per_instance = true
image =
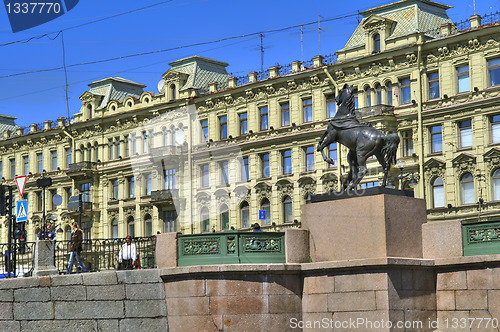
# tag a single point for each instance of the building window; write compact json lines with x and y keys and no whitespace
{"x":126,"y":145}
{"x":39,"y":158}
{"x":149,"y":183}
{"x":433,"y":85}
{"x":388,"y":88}
{"x":134,"y":144}
{"x":438,"y":193}
{"x":372,"y":184}
{"x":12,"y":167}
{"x":244,"y":169}
{"x":467,"y":189}
{"x":53,"y":157}
{"x":205,"y":220}
{"x":309,"y":158}
{"x":69,"y":157}
{"x":243,"y":123}
{"x":405,"y":91}
{"x":331,"y":106}
{"x":169,"y":221}
{"x":114,"y":229}
{"x":494,"y":72}
{"x":355,"y":95}
{"x":131,"y":226}
{"x":114,"y":193}
{"x":378,"y":92}
{"x":287,"y":209}
{"x":224,"y":172}
{"x":264,"y":158}
{"x":376,"y":43}
{"x":148,"y":225}
{"x":85,"y":191}
{"x":26,"y":162}
{"x":164,"y":132}
{"x":286,"y":157}
{"x":173,"y":92}
{"x":179,"y":135}
{"x":465,"y":128}
{"x":131,"y":186}
{"x":145,"y":142}
{"x":170,"y":179}
{"x":245,"y":214}
{"x":1,"y":169}
{"x":495,"y":129}
{"x":264,"y":118}
{"x":496,"y":185}
{"x":308,"y":109}
{"x":204,"y":131}
{"x":205,"y":175}
{"x":463,"y":79}
{"x":436,"y":139}
{"x":285,"y":114}
{"x":39,"y":201}
{"x":111,"y":149}
{"x":407,"y":138}
{"x":266,"y":206}
{"x":224,"y":217}
{"x":223,"y":126}
{"x":332,"y":154}
{"x":368,"y":97}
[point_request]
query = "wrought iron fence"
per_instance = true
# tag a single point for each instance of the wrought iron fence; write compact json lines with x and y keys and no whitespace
{"x":263,"y":75}
{"x":97,"y":255}
{"x":330,"y":58}
{"x":490,"y":18}
{"x":285,"y":70}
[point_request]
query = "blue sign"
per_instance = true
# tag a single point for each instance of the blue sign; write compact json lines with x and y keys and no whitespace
{"x":25,"y":14}
{"x":22,"y":210}
{"x":262,"y":214}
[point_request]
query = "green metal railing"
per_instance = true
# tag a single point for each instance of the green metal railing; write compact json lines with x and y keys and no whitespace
{"x":231,"y":247}
{"x":481,"y":238}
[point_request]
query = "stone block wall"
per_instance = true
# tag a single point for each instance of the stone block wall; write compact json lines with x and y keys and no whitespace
{"x":233,"y":298}
{"x":102,"y":301}
{"x":468,"y":290}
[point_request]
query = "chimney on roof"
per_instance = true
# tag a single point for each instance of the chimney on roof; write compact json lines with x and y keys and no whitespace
{"x":47,"y":124}
{"x":213,"y":86}
{"x":446,"y":29}
{"x":475,"y":21}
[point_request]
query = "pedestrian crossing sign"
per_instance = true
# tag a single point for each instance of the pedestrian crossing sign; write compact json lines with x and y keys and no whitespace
{"x":22,"y":210}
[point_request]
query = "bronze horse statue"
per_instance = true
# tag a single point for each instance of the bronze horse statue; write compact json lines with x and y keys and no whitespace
{"x":362,"y":140}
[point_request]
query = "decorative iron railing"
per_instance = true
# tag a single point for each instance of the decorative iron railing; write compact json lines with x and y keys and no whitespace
{"x":263,"y":75}
{"x":231,"y":247}
{"x":285,"y":70}
{"x":482,"y":238}
{"x":97,"y":255}
{"x":490,"y":18}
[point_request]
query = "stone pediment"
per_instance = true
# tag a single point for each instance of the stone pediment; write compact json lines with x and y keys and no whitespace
{"x":492,"y":153}
{"x":434,"y":163}
{"x":463,"y":159}
{"x":377,"y":22}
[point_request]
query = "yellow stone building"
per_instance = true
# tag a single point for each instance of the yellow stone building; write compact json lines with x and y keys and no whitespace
{"x":209,"y":151}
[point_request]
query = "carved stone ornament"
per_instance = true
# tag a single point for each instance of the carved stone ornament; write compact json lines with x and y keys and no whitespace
{"x":434,"y":168}
{"x":464,"y":163}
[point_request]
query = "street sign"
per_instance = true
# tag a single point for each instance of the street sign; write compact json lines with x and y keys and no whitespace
{"x":21,"y":182}
{"x":262,"y":214}
{"x":22,"y":210}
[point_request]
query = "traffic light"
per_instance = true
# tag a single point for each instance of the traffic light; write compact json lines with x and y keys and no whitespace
{"x":19,"y":230}
{"x":22,"y":242}
{"x":2,"y":201}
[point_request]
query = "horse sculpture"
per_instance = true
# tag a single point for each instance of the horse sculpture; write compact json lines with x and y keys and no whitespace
{"x":362,"y":140}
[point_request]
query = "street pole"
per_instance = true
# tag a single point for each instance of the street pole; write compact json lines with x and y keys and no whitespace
{"x":9,"y":239}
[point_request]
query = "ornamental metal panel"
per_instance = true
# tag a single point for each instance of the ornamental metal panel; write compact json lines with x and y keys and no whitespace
{"x":481,"y":238}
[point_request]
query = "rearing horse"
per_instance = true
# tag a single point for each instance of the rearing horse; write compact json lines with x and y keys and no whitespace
{"x":362,"y":140}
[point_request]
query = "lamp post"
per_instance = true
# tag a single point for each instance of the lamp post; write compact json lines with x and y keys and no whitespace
{"x":43,"y":183}
{"x":412,"y":183}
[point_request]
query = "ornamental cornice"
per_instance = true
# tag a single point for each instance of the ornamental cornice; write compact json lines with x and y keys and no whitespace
{"x":472,"y":45}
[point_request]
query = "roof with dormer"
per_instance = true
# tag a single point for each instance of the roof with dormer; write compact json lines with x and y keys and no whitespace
{"x":7,"y":122}
{"x":199,"y":72}
{"x":407,"y":17}
{"x":114,"y":88}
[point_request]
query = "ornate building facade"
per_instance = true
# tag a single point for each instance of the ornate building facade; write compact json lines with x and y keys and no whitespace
{"x":209,"y":151}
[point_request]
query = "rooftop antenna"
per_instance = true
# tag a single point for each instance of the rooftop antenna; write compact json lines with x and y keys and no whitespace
{"x":358,"y":16}
{"x":474,"y":2}
{"x":302,"y":42}
{"x":261,"y":53}
{"x":65,"y":75}
{"x":319,"y":34}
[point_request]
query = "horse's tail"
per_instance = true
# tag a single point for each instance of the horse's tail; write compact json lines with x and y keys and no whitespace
{"x":390,"y":148}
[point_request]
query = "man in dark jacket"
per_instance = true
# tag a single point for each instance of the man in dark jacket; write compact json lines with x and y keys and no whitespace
{"x":76,"y":248}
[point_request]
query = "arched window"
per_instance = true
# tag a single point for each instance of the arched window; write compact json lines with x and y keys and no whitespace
{"x":173,"y":133}
{"x":148,"y":225}
{"x":437,"y":193}
{"x":131,"y":226}
{"x":388,"y":88}
{"x":378,"y":90}
{"x":287,"y":209}
{"x":245,"y":214}
{"x":89,"y":108}
{"x":205,"y":220}
{"x":179,"y":135}
{"x":224,"y":217}
{"x":266,"y":206}
{"x":165,"y":136}
{"x":114,"y":229}
{"x":368,"y":97}
{"x":96,"y":151}
{"x":376,"y":42}
{"x":496,"y":185}
{"x":89,"y":152}
{"x":173,"y":92}
{"x":467,"y":189}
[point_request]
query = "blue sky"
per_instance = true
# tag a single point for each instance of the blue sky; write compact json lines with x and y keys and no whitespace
{"x":36,"y":97}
